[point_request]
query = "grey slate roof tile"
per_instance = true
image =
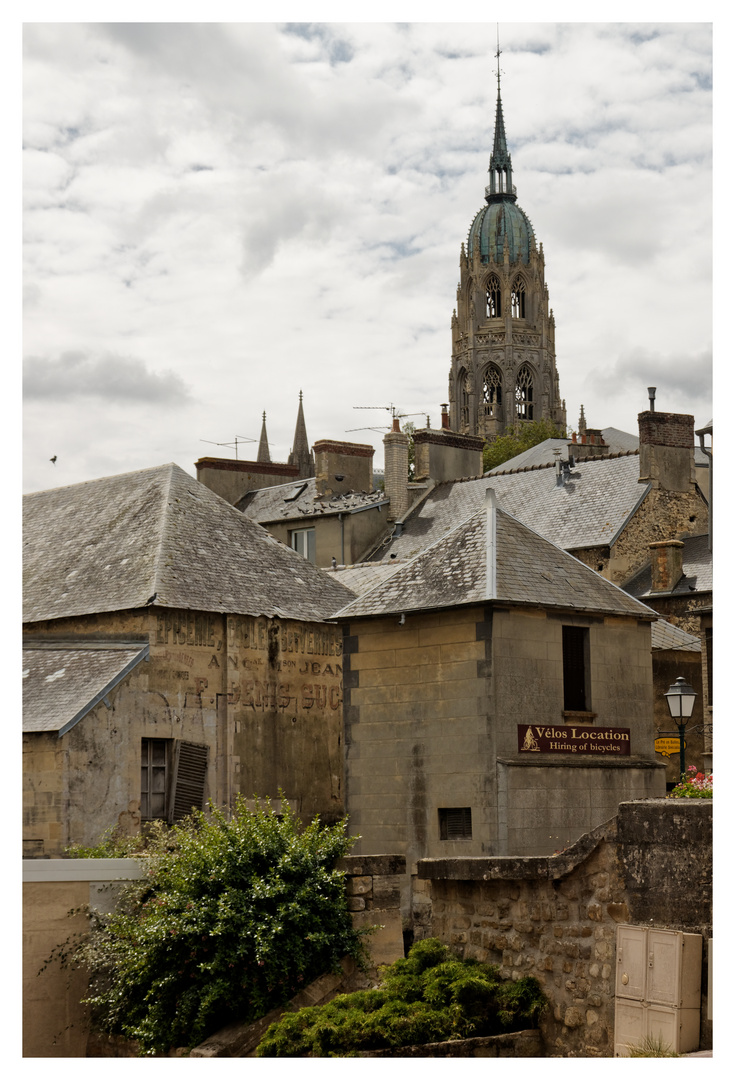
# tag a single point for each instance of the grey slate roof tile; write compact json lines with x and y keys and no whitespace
{"x":63,"y":681}
{"x":300,"y":499}
{"x":664,"y":635}
{"x":588,"y":511}
{"x":529,"y":570}
{"x":158,"y":536}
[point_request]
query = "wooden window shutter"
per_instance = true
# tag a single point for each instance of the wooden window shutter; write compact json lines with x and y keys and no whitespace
{"x":189,"y":773}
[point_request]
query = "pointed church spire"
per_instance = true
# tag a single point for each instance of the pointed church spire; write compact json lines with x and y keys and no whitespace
{"x":501,"y":169}
{"x":300,"y":453}
{"x":263,"y":451}
{"x":582,"y":421}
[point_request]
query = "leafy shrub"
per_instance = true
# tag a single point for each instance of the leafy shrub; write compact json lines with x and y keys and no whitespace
{"x":693,"y":785}
{"x":516,"y":441}
{"x":430,"y":996}
{"x":232,"y":919}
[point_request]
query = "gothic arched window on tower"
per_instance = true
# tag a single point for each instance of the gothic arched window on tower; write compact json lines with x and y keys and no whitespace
{"x":463,"y":397}
{"x":492,"y":392}
{"x":494,"y":309}
{"x":518,"y":298}
{"x":524,"y":393}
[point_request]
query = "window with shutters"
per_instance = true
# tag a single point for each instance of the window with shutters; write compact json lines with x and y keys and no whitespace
{"x":455,"y":823}
{"x":576,"y":668}
{"x":172,"y":778}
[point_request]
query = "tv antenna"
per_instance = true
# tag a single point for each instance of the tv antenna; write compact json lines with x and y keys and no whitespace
{"x":388,"y":408}
{"x":238,"y":439}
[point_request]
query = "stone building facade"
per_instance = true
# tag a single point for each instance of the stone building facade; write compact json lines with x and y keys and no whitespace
{"x":241,"y":671}
{"x":503,"y":370}
{"x":497,"y":699}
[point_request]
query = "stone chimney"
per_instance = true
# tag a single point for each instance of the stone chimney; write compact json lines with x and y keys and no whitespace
{"x":342,"y":466}
{"x":666,"y":447}
{"x":395,"y":445}
{"x":666,"y":565}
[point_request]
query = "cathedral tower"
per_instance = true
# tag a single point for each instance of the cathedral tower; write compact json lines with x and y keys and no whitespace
{"x":503,"y":358}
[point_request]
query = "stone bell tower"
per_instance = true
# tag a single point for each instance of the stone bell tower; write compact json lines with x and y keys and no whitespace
{"x":503,"y":356}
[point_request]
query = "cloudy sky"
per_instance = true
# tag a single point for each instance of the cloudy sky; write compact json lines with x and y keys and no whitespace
{"x":218,"y":216}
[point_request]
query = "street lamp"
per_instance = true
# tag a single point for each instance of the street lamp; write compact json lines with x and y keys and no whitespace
{"x":680,"y":698}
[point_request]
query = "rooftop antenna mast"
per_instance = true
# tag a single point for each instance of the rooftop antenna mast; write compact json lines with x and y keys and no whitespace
{"x":238,"y":439}
{"x":388,"y":408}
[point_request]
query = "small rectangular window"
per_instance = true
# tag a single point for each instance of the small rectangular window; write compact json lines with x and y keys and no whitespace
{"x":172,"y":778}
{"x":304,"y":541}
{"x":455,"y":823}
{"x":575,"y":655}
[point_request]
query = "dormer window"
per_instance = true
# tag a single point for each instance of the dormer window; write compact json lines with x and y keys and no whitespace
{"x":494,"y":310}
{"x":518,"y":299}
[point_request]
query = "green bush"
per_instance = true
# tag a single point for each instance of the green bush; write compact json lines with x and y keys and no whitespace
{"x":430,"y":996}
{"x":232,"y":919}
{"x":515,"y":441}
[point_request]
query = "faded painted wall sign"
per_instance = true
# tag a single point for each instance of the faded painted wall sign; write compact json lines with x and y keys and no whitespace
{"x":573,"y":739}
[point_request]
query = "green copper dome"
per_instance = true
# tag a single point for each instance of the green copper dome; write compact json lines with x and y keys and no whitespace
{"x":501,"y":218}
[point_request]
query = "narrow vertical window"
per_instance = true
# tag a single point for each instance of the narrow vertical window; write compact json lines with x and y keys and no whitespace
{"x":155,"y":764}
{"x":575,"y":660}
{"x":463,"y":394}
{"x":494,"y":309}
{"x":492,"y":392}
{"x":524,"y":393}
{"x":518,"y":299}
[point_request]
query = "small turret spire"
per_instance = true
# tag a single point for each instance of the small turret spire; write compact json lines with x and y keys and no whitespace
{"x":300,"y":454}
{"x":263,"y":451}
{"x":501,"y":169}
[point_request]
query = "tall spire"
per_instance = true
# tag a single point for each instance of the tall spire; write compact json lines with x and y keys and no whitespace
{"x":300,"y":453}
{"x":501,"y":169}
{"x":263,"y":451}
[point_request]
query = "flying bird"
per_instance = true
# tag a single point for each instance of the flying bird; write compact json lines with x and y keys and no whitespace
{"x":53,"y":459}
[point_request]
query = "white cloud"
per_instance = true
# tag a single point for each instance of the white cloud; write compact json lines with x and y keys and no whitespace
{"x":261,"y":209}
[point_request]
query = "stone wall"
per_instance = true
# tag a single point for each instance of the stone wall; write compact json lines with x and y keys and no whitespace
{"x":264,"y":695}
{"x":556,"y":917}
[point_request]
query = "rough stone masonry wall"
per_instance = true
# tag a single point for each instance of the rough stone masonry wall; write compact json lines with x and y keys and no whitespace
{"x":556,"y":917}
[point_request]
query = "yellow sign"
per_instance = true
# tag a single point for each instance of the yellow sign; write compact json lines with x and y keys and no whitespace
{"x":668,"y":746}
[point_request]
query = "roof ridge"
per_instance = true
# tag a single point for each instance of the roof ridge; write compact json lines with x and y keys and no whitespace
{"x":551,"y":464}
{"x":165,"y":519}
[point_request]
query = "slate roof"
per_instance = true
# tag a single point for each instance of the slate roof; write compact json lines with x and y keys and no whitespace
{"x":361,"y":577}
{"x":62,"y":681}
{"x":588,"y":511}
{"x":300,"y":499}
{"x":158,"y":536}
{"x":540,"y":454}
{"x":664,"y":635}
{"x":616,"y":441}
{"x":697,"y":576}
{"x":529,"y":570}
